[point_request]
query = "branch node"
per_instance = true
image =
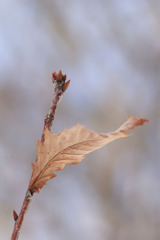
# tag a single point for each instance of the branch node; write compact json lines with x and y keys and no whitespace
{"x":29,"y":195}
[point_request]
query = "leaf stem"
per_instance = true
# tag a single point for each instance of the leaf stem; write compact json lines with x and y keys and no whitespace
{"x":58,"y":90}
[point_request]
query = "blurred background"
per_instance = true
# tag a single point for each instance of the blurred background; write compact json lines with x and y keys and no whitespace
{"x":111,"y":52}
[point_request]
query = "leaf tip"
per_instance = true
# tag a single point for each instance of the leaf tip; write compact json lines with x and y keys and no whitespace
{"x":32,"y":165}
{"x":137,"y":121}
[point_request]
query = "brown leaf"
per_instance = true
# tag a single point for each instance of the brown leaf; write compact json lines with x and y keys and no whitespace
{"x":70,"y":147}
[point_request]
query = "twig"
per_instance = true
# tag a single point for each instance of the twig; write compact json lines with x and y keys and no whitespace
{"x":59,"y":88}
{"x":20,"y":219}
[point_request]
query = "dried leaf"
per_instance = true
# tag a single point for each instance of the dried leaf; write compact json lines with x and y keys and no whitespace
{"x":70,"y":147}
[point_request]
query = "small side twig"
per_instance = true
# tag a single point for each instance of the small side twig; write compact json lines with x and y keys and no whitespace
{"x":59,"y":88}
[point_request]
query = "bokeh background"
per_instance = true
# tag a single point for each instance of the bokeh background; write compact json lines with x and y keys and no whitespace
{"x":111,"y":52}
